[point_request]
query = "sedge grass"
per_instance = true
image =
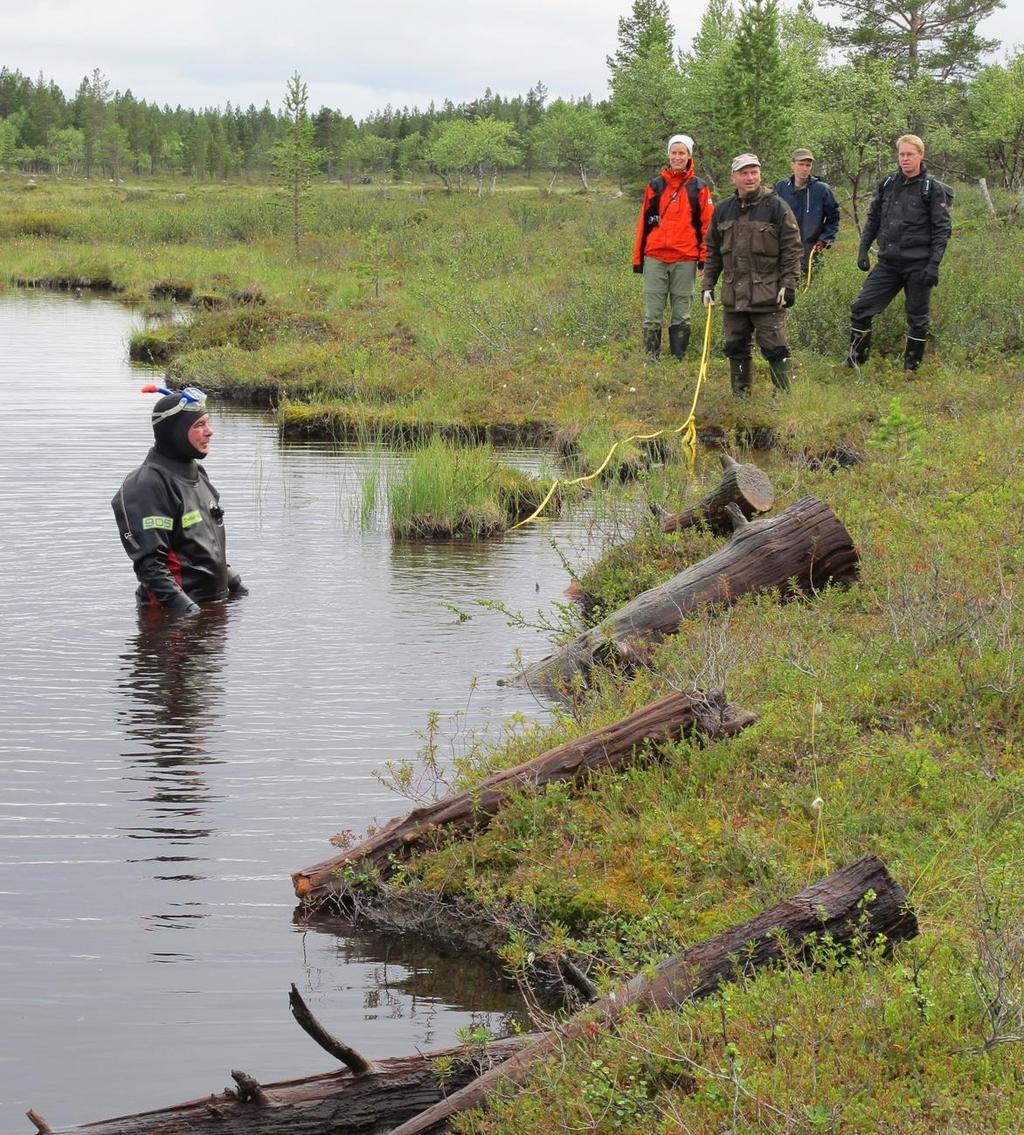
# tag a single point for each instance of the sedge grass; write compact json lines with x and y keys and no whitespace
{"x":444,"y":490}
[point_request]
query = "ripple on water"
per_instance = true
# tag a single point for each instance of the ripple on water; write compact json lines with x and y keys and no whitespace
{"x":161,"y":780}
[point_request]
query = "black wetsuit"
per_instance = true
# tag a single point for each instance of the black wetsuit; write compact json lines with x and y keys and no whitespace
{"x":172,"y":527}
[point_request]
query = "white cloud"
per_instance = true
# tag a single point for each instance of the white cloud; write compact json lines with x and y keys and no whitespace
{"x":355,"y":56}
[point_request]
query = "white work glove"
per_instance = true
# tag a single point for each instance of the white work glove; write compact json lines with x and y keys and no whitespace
{"x":780,"y":299}
{"x":708,"y":298}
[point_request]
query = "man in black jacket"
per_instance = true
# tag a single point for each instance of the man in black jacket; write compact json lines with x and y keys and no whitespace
{"x":168,"y":513}
{"x":753,"y":243}
{"x":909,"y":215}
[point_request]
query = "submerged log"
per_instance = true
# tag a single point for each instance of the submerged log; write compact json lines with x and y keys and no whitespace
{"x":610,"y":747}
{"x":858,"y":903}
{"x":801,"y":549}
{"x":334,"y":1103}
{"x":745,"y":486}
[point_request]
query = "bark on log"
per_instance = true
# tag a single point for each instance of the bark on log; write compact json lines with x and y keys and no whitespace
{"x":805,"y":547}
{"x":334,"y":1103}
{"x":745,"y":486}
{"x":668,"y":719}
{"x":838,"y":905}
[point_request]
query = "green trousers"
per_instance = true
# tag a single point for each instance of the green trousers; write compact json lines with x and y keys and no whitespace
{"x":668,"y":282}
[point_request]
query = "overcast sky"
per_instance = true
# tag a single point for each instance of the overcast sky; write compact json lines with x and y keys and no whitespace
{"x":355,"y":56}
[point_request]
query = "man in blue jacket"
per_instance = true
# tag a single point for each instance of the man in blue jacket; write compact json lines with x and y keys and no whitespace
{"x":813,"y":204}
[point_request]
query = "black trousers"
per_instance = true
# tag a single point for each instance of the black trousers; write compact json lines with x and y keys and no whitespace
{"x":884,"y":283}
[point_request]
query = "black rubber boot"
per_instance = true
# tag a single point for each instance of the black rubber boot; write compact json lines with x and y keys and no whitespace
{"x":652,"y":342}
{"x":912,"y":356}
{"x":780,"y":373}
{"x":739,"y":376}
{"x":678,"y":339}
{"x":860,"y":346}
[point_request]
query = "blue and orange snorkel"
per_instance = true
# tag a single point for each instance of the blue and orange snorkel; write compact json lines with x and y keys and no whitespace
{"x":191,"y":398}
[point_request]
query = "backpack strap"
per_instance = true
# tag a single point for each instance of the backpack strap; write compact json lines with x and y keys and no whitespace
{"x":653,"y":217}
{"x":693,"y":188}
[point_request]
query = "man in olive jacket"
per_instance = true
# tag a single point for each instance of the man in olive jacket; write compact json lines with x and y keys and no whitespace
{"x":753,"y":244}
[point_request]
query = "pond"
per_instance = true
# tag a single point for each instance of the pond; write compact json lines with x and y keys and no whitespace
{"x":159,"y":781}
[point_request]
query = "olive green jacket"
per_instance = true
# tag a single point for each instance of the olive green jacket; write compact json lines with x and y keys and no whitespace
{"x":754,"y":245}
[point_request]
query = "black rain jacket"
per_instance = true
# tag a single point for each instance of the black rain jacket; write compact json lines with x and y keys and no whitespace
{"x":910,"y":218}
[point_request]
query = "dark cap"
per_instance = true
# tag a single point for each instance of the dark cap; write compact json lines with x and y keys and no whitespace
{"x":802,"y":155}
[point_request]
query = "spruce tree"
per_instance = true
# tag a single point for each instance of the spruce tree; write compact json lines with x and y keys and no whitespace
{"x":759,"y":89}
{"x":296,"y":158}
{"x":646,"y":100}
{"x":706,"y":81}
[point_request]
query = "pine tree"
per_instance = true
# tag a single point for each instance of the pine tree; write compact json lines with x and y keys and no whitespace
{"x":933,"y":37}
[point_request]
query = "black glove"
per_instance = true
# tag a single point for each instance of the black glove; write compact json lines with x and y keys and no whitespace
{"x":182,"y":605}
{"x":930,"y":276}
{"x":863,"y":263}
{"x":700,"y":266}
{"x":638,"y":269}
{"x":790,"y":297}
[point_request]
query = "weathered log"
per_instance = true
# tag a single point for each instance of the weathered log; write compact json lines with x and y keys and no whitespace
{"x":334,"y":1103}
{"x":610,"y":747}
{"x":803,"y":548}
{"x":745,"y":486}
{"x":857,"y":903}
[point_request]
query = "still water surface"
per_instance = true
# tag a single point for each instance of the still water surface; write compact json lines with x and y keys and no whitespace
{"x":160,"y":781}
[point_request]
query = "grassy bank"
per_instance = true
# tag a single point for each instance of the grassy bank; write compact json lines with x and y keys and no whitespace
{"x":891,"y":723}
{"x":890,"y":713}
{"x":412,"y":312}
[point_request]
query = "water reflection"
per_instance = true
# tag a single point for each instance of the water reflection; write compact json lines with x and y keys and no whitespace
{"x":410,"y":979}
{"x":172,"y":676}
{"x":160,"y":776}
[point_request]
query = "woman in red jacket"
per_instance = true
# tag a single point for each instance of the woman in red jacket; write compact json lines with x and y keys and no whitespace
{"x":669,"y":248}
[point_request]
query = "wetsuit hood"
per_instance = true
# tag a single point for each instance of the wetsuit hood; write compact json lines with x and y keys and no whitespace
{"x":171,"y":433}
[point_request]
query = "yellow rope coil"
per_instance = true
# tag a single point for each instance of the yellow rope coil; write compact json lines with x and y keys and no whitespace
{"x":688,"y":429}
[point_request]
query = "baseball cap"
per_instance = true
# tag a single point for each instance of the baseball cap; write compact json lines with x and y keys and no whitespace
{"x":742,"y":160}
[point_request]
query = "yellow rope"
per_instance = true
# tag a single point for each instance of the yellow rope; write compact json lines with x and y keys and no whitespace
{"x":688,"y":429}
{"x":810,"y":270}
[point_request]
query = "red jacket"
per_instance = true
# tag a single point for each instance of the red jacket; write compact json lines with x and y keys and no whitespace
{"x":674,"y":237}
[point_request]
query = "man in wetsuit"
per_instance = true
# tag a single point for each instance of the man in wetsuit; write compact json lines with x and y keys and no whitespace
{"x":168,"y":513}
